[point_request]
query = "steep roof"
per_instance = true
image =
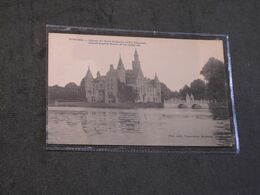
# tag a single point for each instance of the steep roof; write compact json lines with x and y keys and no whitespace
{"x":120,"y":65}
{"x":89,"y":74}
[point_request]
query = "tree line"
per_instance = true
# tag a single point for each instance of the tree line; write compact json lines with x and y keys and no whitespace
{"x":213,"y":87}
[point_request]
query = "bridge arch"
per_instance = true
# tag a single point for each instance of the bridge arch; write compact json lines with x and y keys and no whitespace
{"x":196,"y":106}
{"x":182,"y":106}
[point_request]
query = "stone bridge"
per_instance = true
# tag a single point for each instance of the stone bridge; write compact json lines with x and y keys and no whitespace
{"x":182,"y":104}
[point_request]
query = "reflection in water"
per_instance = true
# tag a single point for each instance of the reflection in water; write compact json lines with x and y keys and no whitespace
{"x":165,"y":126}
{"x":129,"y":122}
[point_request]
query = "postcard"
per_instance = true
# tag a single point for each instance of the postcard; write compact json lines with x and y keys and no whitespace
{"x":116,"y":90}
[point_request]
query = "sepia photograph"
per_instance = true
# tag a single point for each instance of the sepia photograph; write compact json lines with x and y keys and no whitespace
{"x":137,"y":91}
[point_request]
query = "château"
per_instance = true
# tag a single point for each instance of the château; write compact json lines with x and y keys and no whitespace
{"x":121,"y":85}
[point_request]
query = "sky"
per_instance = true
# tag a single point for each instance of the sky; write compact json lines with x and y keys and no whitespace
{"x":175,"y":61}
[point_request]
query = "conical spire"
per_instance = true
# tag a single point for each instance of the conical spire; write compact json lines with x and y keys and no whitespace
{"x":120,"y":65}
{"x":89,"y":74}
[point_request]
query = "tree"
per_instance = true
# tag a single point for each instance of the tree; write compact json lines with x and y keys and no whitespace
{"x":198,"y":89}
{"x":71,"y":91}
{"x":167,"y":93}
{"x":68,"y":93}
{"x":214,"y":73}
{"x":184,"y":91}
{"x":82,"y":91}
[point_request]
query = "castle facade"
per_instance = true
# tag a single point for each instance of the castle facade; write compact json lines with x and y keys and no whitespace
{"x":122,"y":85}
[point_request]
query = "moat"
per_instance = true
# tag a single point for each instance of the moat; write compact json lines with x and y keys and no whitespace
{"x":166,"y":126}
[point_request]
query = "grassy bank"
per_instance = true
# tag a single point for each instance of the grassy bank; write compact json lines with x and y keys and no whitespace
{"x":219,"y":110}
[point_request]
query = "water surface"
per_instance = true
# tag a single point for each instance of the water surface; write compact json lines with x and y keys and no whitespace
{"x":143,"y":126}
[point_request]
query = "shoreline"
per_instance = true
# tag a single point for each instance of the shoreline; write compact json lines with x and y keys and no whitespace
{"x":107,"y":105}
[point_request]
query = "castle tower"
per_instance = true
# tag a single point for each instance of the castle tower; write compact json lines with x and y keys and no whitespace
{"x":111,"y":88}
{"x":121,"y":70}
{"x":158,"y":95}
{"x":89,"y":86}
{"x":136,"y":63}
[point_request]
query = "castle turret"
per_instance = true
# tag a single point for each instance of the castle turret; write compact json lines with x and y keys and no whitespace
{"x":156,"y":78}
{"x":111,"y":67}
{"x":89,"y":75}
{"x":121,"y":71}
